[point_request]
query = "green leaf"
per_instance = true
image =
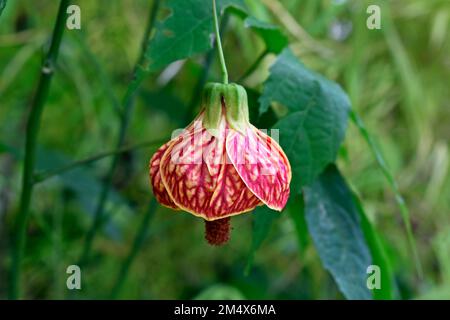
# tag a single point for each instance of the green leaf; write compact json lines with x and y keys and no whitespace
{"x":263,"y":218}
{"x":273,"y":37}
{"x":266,"y":120}
{"x":185,"y":32}
{"x":333,"y":222}
{"x":315,"y":126}
{"x":379,"y":256}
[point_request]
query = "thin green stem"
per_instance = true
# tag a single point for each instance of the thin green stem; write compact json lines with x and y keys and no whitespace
{"x":137,"y":244}
{"x":128,"y":103}
{"x":196,"y":95}
{"x":398,"y":196}
{"x":41,"y":176}
{"x":148,"y":29}
{"x":219,"y":45}
{"x":32,"y":131}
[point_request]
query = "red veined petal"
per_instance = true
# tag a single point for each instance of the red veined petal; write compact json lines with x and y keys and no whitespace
{"x":262,"y":165}
{"x":159,"y":190}
{"x":232,"y":196}
{"x":198,"y":179}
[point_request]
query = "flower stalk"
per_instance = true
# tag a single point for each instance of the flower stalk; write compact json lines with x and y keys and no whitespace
{"x":219,"y":45}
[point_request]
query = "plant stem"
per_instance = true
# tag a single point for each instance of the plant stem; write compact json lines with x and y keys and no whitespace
{"x":32,"y":131}
{"x":137,"y":244}
{"x":195,"y":98}
{"x":128,"y":102}
{"x":219,"y":45}
{"x":41,"y":176}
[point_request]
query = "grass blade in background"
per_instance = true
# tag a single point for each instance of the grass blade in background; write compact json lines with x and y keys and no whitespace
{"x":398,"y":197}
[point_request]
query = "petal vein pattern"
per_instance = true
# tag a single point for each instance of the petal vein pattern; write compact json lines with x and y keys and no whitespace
{"x":199,"y":179}
{"x":262,"y":165}
{"x":159,"y":189}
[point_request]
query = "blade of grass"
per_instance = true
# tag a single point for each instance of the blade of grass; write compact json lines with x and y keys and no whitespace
{"x":389,"y":177}
{"x":32,"y":131}
{"x":294,"y":28}
{"x":408,"y":75}
{"x":18,"y":62}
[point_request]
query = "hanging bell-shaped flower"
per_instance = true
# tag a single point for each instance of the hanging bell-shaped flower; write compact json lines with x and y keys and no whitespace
{"x":221,"y":165}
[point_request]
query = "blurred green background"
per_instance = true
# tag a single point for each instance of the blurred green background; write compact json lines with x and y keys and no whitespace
{"x":397,"y":78}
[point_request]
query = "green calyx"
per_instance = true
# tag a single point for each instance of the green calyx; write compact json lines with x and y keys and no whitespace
{"x":231,"y":99}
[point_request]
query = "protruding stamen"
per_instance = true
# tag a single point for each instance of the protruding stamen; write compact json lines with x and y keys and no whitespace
{"x":217,"y":232}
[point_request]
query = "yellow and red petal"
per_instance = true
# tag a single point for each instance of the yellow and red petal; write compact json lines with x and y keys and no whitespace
{"x":198,"y":179}
{"x":159,"y":190}
{"x":158,"y":187}
{"x":262,"y":165}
